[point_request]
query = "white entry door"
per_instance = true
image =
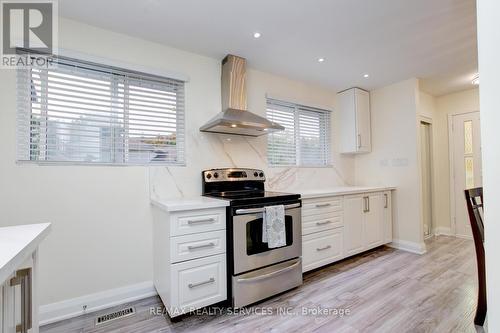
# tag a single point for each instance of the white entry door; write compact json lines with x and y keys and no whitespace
{"x":467,"y":167}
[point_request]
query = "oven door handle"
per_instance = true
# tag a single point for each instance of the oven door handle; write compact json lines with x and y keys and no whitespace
{"x":272,"y":274}
{"x":262,"y":209}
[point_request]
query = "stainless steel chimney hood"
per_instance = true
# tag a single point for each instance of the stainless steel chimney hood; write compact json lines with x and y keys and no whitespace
{"x":235,"y":119}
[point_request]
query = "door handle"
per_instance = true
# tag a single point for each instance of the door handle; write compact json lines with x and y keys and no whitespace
{"x":386,"y":205}
{"x":194,"y":247}
{"x":272,"y":274}
{"x":366,"y":208}
{"x":261,"y":210}
{"x":359,"y":141}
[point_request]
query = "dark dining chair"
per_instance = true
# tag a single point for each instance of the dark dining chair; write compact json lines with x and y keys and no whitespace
{"x":474,"y":199}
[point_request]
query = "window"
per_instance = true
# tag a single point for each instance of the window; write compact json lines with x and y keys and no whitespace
{"x":306,"y":138}
{"x":80,"y":112}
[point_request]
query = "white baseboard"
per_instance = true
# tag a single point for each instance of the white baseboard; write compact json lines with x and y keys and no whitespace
{"x":413,"y":247}
{"x":464,"y":237}
{"x":443,"y":231}
{"x":70,"y":308}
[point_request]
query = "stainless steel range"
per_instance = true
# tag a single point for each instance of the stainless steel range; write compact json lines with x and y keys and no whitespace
{"x":256,"y":271}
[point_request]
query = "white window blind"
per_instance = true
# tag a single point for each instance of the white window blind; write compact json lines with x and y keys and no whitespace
{"x":306,"y":138}
{"x":80,"y":112}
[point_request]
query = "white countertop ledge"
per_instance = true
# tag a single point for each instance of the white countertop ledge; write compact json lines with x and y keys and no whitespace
{"x":201,"y":202}
{"x":17,"y":243}
{"x":310,"y":194}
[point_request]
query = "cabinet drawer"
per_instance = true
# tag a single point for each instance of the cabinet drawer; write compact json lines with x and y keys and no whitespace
{"x":198,"y":283}
{"x":321,"y":248}
{"x":321,"y":206}
{"x":194,"y":246}
{"x":322,"y":216}
{"x":321,"y":223}
{"x":191,"y":222}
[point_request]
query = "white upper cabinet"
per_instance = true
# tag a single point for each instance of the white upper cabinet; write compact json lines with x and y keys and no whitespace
{"x":354,"y":114}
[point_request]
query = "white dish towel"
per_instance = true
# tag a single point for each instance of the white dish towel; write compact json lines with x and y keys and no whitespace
{"x":273,"y":226}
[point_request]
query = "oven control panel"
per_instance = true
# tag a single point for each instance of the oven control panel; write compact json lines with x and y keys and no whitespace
{"x":233,"y":174}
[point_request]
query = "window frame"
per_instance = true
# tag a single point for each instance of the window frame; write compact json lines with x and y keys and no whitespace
{"x":116,"y":75}
{"x":325,"y":135}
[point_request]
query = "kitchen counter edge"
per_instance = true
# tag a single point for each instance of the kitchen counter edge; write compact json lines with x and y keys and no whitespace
{"x":344,"y":191}
{"x":195,"y":203}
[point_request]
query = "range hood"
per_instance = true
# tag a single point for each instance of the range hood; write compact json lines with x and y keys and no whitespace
{"x":234,"y":118}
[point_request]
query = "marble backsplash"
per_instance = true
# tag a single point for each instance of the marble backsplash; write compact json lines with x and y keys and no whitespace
{"x":207,"y":150}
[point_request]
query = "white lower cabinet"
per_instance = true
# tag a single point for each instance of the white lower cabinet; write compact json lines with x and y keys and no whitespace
{"x":354,"y":226}
{"x":198,"y":283}
{"x":341,"y":226}
{"x":374,"y":220}
{"x":189,"y":258}
{"x":364,"y":220}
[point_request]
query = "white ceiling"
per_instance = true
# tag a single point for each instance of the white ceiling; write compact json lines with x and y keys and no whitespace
{"x":392,"y":40}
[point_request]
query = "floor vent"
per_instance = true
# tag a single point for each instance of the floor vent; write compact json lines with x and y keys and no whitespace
{"x":127,"y":312}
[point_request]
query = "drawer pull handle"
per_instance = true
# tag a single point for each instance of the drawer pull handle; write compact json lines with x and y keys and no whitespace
{"x":211,"y":220}
{"x":323,"y":205}
{"x":194,"y":247}
{"x":261,"y":210}
{"x":324,"y":222}
{"x":23,"y":279}
{"x":324,"y":248}
{"x":194,"y":285}
{"x":270,"y":275}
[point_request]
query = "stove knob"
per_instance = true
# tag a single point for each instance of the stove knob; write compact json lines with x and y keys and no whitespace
{"x":261,"y":174}
{"x":255,"y":174}
{"x":209,"y":175}
{"x":216,"y":175}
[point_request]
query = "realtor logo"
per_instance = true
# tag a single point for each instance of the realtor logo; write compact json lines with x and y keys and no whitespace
{"x":28,"y":25}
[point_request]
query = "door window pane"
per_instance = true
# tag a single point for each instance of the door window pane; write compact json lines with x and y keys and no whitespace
{"x":469,"y":172}
{"x":468,"y":137}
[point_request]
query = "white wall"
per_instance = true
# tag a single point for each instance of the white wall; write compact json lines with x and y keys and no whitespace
{"x":101,"y":236}
{"x":427,"y":105}
{"x":206,"y":150}
{"x":394,"y":157}
{"x":438,"y":109}
{"x":427,"y":112}
{"x":488,"y":20}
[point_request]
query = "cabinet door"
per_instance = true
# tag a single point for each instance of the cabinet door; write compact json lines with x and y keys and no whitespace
{"x":353,"y":225}
{"x":363,"y":132}
{"x":347,"y":117}
{"x":374,"y":218}
{"x":387,"y":217}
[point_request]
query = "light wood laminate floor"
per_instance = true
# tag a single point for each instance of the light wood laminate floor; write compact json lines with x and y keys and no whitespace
{"x":385,"y":290}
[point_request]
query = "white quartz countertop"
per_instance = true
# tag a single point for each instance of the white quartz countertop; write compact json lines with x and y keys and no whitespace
{"x":16,"y":245}
{"x":343,"y":191}
{"x":193,"y":203}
